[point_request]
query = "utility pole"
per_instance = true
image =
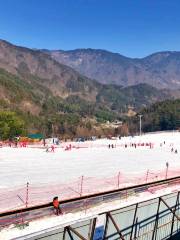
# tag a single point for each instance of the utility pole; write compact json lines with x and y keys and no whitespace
{"x":140,"y":123}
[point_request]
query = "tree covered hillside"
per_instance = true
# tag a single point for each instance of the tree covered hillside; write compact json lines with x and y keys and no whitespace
{"x":54,"y":99}
{"x":160,"y":116}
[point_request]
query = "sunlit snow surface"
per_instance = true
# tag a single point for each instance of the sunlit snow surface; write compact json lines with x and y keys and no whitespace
{"x":34,"y":165}
{"x":94,"y":159}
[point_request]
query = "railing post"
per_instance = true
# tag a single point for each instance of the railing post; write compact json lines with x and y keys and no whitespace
{"x":93,"y":228}
{"x":177,"y":204}
{"x":118,"y":179}
{"x":81,"y":191}
{"x":136,"y":228}
{"x":156,"y":221}
{"x":134,"y":221}
{"x":106,"y":226}
{"x":27,"y":194}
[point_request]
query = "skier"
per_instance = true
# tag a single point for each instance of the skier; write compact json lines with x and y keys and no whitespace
{"x":47,"y":148}
{"x":52,"y":148}
{"x":56,"y":205}
{"x":44,"y":142}
{"x":16,"y":143}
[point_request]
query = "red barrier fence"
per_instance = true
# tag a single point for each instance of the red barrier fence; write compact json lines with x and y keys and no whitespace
{"x":30,"y":194}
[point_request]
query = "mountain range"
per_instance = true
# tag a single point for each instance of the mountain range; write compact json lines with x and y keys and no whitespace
{"x":161,"y":70}
{"x":40,"y":86}
{"x":42,"y":73}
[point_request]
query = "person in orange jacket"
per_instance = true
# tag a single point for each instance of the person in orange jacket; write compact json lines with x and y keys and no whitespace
{"x":56,"y":205}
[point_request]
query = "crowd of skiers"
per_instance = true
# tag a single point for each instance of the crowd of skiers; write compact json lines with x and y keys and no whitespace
{"x":135,"y":145}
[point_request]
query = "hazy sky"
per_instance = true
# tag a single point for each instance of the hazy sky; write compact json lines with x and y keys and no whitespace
{"x":133,"y":28}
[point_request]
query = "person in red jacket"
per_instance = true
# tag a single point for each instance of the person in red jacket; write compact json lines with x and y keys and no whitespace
{"x":52,"y":148}
{"x":56,"y":205}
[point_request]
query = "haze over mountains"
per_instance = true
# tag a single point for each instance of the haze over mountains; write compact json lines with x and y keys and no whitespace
{"x":161,"y":70}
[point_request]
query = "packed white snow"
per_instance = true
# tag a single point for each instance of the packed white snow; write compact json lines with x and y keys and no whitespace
{"x":89,"y":159}
{"x":34,"y":165}
{"x":103,"y":168}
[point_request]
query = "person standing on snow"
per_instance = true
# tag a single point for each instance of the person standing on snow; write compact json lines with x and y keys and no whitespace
{"x":47,"y":148}
{"x":56,"y":205}
{"x":52,"y":148}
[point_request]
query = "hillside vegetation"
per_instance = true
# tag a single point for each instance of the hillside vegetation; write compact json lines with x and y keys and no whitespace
{"x":160,"y":116}
{"x":52,"y":98}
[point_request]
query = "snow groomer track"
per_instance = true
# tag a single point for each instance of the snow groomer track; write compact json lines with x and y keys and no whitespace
{"x":25,"y":215}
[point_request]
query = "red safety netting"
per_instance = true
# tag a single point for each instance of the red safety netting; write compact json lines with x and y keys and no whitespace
{"x":29,"y":194}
